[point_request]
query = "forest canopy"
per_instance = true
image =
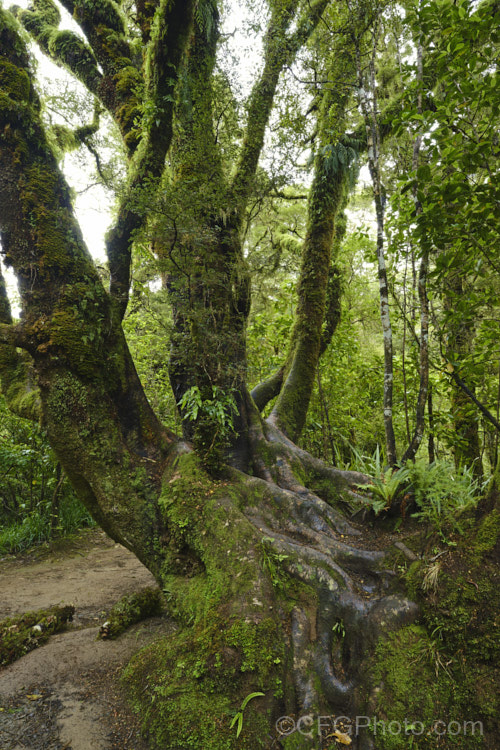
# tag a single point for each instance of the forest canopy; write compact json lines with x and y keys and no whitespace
{"x":290,"y":354}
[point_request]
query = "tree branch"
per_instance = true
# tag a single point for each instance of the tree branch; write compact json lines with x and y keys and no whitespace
{"x":67,"y":49}
{"x":268,"y":389}
{"x":168,"y":42}
{"x":418,"y":432}
{"x":280,"y":51}
{"x":318,"y":309}
{"x":484,"y":411}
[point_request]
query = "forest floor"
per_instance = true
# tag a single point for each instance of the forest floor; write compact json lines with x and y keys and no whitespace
{"x":66,"y":695}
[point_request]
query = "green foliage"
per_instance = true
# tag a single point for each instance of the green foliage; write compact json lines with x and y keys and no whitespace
{"x":148,"y":327}
{"x":386,"y":483}
{"x":447,"y":204}
{"x":238,"y":718}
{"x":339,"y":629}
{"x":271,"y":561}
{"x":341,"y":158}
{"x":443,"y":494}
{"x":213,"y":419}
{"x":450,"y":654}
{"x":205,"y":15}
{"x":32,"y":505}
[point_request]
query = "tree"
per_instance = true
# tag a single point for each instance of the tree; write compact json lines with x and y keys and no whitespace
{"x":243,"y":532}
{"x":452,"y":109}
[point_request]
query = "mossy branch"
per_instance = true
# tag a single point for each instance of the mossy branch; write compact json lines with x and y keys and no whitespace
{"x":307,"y":23}
{"x":268,"y":389}
{"x":195,"y":150}
{"x":10,"y":335}
{"x":23,"y":633}
{"x":279,"y":51}
{"x":104,"y":26}
{"x":318,"y":304}
{"x":67,"y":49}
{"x":145,"y":11}
{"x":171,"y":28}
{"x":132,"y":609}
{"x":105,"y":31}
{"x":67,"y":139}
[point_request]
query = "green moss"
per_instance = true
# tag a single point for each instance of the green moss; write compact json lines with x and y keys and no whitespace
{"x":187,"y":688}
{"x":48,"y":10}
{"x":411,"y":689}
{"x":127,"y":79}
{"x":131,"y":609}
{"x":67,"y":335}
{"x":106,"y":472}
{"x":487,"y":535}
{"x":230,"y":644}
{"x":126,"y":116}
{"x":15,"y":81}
{"x":41,"y":192}
{"x":420,"y":685}
{"x":11,"y":44}
{"x":414,"y":578}
{"x":446,"y":669}
{"x":105,"y":13}
{"x":22,"y":396}
{"x":23,"y":633}
{"x":64,"y":139}
{"x":327,"y":488}
{"x":73,"y":52}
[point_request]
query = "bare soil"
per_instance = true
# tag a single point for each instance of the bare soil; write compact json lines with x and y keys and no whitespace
{"x":67,"y":695}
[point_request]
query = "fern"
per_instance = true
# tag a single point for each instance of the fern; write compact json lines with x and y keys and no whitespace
{"x":341,"y":159}
{"x":205,"y":16}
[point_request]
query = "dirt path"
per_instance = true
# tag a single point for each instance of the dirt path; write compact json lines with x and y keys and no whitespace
{"x":66,"y":695}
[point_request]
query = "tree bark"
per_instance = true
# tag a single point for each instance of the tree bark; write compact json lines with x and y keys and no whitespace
{"x":460,"y":335}
{"x":368,"y":105}
{"x":92,"y":403}
{"x":418,"y":432}
{"x":258,"y":567}
{"x":318,"y":294}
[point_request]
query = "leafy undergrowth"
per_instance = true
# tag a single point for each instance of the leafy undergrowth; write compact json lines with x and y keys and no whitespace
{"x":438,"y":682}
{"x":23,"y":633}
{"x":36,"y":528}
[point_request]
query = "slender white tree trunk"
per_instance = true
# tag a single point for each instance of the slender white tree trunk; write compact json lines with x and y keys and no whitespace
{"x":368,"y":105}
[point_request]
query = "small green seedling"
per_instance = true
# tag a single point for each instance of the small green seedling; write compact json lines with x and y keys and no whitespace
{"x":339,"y":629}
{"x":238,"y":719}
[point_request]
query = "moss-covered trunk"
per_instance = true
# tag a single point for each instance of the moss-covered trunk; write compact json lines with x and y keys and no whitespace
{"x":76,"y":364}
{"x":274,"y":595}
{"x":279,"y":601}
{"x":460,"y":334}
{"x":319,"y":286}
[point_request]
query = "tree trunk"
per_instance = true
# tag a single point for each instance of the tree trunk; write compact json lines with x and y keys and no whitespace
{"x":260,"y":568}
{"x":368,"y":105}
{"x":418,"y":433}
{"x":318,"y":294}
{"x":465,"y":417}
{"x":257,"y":568}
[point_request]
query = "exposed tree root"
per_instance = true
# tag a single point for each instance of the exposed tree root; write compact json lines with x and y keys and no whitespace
{"x":356,"y":597}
